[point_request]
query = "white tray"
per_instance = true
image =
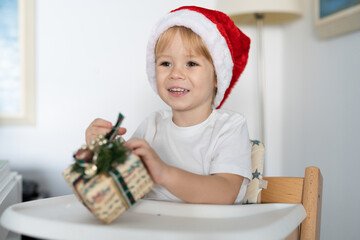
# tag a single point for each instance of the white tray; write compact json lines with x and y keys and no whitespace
{"x":66,"y":218}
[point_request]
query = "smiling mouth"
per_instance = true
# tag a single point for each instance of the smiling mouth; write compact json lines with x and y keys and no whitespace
{"x":178,"y":90}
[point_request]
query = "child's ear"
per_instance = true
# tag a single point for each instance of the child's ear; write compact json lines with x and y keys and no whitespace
{"x":215,"y":79}
{"x":215,"y":90}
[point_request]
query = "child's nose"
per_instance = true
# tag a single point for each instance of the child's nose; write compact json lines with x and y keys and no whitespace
{"x":178,"y":73}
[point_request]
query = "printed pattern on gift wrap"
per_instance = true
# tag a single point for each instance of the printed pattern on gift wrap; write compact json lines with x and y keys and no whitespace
{"x":135,"y":176}
{"x":132,"y":168}
{"x":102,"y":193}
{"x":102,"y":196}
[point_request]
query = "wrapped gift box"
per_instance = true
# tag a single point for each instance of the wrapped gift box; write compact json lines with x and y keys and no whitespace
{"x":108,"y":194}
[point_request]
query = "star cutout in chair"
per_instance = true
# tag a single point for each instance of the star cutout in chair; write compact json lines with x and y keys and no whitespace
{"x":255,"y":142}
{"x":256,"y":174}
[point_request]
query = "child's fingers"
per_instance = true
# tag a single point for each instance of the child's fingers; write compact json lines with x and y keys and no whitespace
{"x":93,"y":132}
{"x":135,"y":143}
{"x":121,"y":131}
{"x":139,"y":147}
{"x":99,"y":122}
{"x":100,"y":131}
{"x":100,"y":126}
{"x":97,"y":127}
{"x":141,"y":152}
{"x":149,"y":157}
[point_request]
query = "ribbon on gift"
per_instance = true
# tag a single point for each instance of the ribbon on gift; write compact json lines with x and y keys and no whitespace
{"x":122,"y":186}
{"x":88,"y":169}
{"x":112,"y":134}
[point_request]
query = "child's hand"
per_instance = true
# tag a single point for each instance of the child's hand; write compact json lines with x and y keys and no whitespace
{"x":156,"y":167}
{"x":100,"y":126}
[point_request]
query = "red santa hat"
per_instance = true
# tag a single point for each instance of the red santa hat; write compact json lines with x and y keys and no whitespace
{"x":228,"y":46}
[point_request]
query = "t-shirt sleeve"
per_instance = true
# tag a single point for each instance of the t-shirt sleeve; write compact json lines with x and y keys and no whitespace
{"x":140,"y":131}
{"x":232,"y":151}
{"x":147,"y":129}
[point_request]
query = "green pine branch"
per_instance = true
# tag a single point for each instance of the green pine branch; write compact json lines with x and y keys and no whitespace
{"x":110,"y":155}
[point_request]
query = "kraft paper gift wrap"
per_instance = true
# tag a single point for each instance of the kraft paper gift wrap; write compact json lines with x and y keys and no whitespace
{"x":109,"y":195}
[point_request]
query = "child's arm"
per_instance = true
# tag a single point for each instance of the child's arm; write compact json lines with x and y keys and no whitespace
{"x":193,"y":188}
{"x":100,"y":126}
{"x":221,"y":188}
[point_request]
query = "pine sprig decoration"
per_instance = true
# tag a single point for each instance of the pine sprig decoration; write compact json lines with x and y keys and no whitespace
{"x":102,"y":154}
{"x":77,"y":168}
{"x":110,"y":155}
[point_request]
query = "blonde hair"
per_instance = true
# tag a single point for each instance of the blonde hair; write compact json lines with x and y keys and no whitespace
{"x":191,"y":40}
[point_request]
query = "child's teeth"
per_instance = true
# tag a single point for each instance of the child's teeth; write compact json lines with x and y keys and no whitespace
{"x":178,"y":90}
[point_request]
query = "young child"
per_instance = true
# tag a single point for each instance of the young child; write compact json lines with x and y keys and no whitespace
{"x":193,"y":152}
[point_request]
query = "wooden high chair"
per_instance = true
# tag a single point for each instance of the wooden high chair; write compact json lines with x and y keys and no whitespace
{"x":307,"y":191}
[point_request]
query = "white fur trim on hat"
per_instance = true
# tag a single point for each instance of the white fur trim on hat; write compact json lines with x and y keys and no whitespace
{"x":209,"y":33}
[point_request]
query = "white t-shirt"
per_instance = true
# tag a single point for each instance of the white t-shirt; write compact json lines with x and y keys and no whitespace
{"x":220,"y":144}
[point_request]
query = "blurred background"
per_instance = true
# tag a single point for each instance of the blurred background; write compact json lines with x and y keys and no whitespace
{"x":90,"y":62}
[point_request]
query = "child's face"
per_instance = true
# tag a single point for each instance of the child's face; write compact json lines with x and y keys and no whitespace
{"x":185,"y":80}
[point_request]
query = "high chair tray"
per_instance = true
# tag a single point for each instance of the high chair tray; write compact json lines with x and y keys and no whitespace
{"x":66,"y":218}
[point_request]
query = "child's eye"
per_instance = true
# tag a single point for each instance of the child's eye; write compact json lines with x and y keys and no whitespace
{"x":165,"y":64}
{"x":192,"y":64}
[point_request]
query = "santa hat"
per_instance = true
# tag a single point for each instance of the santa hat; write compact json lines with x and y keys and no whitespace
{"x":228,"y":46}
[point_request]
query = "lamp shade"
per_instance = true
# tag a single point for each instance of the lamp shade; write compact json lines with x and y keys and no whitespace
{"x":274,"y":11}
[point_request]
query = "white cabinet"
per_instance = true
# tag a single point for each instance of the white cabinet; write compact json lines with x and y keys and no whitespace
{"x":10,"y":193}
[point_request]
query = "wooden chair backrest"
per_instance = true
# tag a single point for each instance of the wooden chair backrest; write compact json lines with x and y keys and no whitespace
{"x":306,"y":190}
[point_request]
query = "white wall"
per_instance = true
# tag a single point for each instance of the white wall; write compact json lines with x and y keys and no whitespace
{"x":90,"y":62}
{"x":321,"y":116}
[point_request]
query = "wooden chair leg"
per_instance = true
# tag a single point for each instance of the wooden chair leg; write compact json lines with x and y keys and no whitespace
{"x":312,"y":198}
